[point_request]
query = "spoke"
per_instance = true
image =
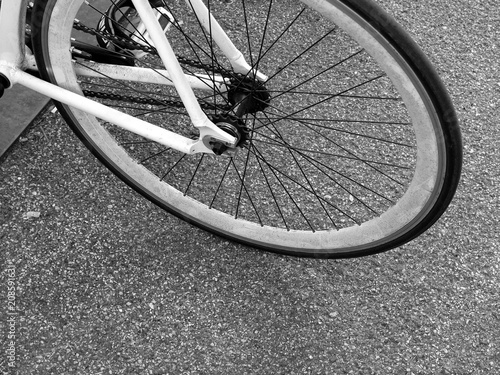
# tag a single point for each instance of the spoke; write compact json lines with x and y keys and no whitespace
{"x":116,"y":24}
{"x":316,"y":93}
{"x":281,"y":35}
{"x":304,"y":174}
{"x":226,"y":106}
{"x":172,"y":167}
{"x":273,"y":143}
{"x":264,"y":34}
{"x":271,"y":191}
{"x":242,"y":185}
{"x":189,"y":40}
{"x":194,"y":174}
{"x":354,"y":157}
{"x":371,"y":97}
{"x":362,"y":160}
{"x":273,"y":170}
{"x":247,"y":32}
{"x":316,"y":119}
{"x":211,"y":55}
{"x":154,"y":155}
{"x":136,"y":143}
{"x":313,"y":162}
{"x":286,"y":176}
{"x":323,"y":199}
{"x":208,"y":39}
{"x":137,"y":33}
{"x":163,"y":110}
{"x":302,"y":54}
{"x":275,"y":118}
{"x":246,"y":191}
{"x":153,"y":96}
{"x":358,"y":134}
{"x":291,"y":115}
{"x":220,"y":183}
{"x":128,"y":86}
{"x":212,"y":52}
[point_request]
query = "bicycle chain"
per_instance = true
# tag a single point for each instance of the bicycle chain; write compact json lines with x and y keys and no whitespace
{"x":132,"y":45}
{"x":148,"y":101}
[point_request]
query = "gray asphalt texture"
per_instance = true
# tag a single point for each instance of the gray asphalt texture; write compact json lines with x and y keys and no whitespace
{"x":109,"y":284}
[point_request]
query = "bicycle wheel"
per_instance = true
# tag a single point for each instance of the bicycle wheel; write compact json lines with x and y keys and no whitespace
{"x":350,"y":146}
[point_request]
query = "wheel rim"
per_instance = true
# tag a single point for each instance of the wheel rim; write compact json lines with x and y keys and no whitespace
{"x":407,"y":210}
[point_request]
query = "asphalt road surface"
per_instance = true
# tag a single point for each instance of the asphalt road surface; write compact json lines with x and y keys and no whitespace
{"x":106,"y":283}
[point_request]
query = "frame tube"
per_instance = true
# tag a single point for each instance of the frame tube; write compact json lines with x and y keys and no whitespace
{"x":127,"y":122}
{"x":198,"y":117}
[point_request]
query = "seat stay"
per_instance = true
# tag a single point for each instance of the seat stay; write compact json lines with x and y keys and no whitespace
{"x":199,"y":119}
{"x":210,"y":24}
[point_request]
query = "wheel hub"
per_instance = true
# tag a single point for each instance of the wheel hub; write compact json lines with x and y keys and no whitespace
{"x":248,"y":96}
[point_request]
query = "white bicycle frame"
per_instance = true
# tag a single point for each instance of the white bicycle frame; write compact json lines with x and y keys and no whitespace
{"x":15,"y":59}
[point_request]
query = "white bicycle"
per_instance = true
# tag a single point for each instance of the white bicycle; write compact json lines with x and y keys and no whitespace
{"x":312,"y":127}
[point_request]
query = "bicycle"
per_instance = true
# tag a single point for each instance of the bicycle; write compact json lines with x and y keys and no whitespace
{"x":311,"y":128}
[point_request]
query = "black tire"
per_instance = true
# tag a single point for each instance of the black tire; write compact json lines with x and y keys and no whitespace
{"x":365,"y":180}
